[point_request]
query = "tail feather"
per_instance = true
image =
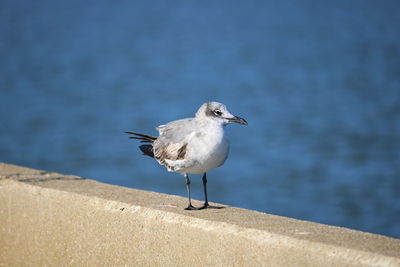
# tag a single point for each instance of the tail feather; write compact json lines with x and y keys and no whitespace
{"x":147,"y":150}
{"x":143,"y":137}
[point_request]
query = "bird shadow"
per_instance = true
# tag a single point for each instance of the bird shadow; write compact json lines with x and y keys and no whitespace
{"x":205,"y":208}
{"x":215,"y":207}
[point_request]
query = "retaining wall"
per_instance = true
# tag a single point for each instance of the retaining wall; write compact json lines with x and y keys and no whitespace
{"x":50,"y":219}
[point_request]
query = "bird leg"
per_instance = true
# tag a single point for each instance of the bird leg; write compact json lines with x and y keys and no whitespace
{"x":190,"y":206}
{"x":205,"y":205}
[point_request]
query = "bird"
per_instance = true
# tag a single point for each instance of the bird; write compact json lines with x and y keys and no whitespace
{"x":192,"y":145}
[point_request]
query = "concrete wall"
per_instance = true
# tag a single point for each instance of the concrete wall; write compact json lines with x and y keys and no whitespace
{"x":60,"y":220}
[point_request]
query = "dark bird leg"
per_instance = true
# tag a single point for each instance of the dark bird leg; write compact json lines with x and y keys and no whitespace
{"x":190,"y":206}
{"x":205,"y":205}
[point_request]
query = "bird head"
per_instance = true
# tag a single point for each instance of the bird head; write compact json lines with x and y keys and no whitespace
{"x":218,"y":112}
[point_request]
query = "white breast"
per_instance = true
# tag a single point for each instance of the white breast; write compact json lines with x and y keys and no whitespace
{"x":208,"y":150}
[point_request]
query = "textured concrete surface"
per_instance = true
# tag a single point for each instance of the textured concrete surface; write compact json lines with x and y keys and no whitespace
{"x":57,"y":220}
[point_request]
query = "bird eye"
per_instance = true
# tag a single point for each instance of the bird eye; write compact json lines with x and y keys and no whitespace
{"x":217,"y":112}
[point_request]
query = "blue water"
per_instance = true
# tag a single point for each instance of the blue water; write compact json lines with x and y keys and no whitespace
{"x":318,"y":82}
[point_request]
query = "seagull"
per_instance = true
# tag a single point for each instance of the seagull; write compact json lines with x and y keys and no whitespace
{"x":192,"y":145}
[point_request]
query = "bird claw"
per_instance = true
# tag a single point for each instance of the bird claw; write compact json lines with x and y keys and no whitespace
{"x":205,"y":206}
{"x":191,"y":207}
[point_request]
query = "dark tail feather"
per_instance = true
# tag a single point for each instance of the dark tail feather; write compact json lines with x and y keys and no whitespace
{"x":143,"y":137}
{"x":147,"y":150}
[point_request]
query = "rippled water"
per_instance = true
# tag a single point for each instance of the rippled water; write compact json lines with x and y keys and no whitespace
{"x":318,"y":82}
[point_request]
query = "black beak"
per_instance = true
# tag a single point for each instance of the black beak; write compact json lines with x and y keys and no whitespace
{"x":237,"y":120}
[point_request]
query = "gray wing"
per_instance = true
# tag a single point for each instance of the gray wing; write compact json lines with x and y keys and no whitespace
{"x":172,"y":143}
{"x":176,"y":131}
